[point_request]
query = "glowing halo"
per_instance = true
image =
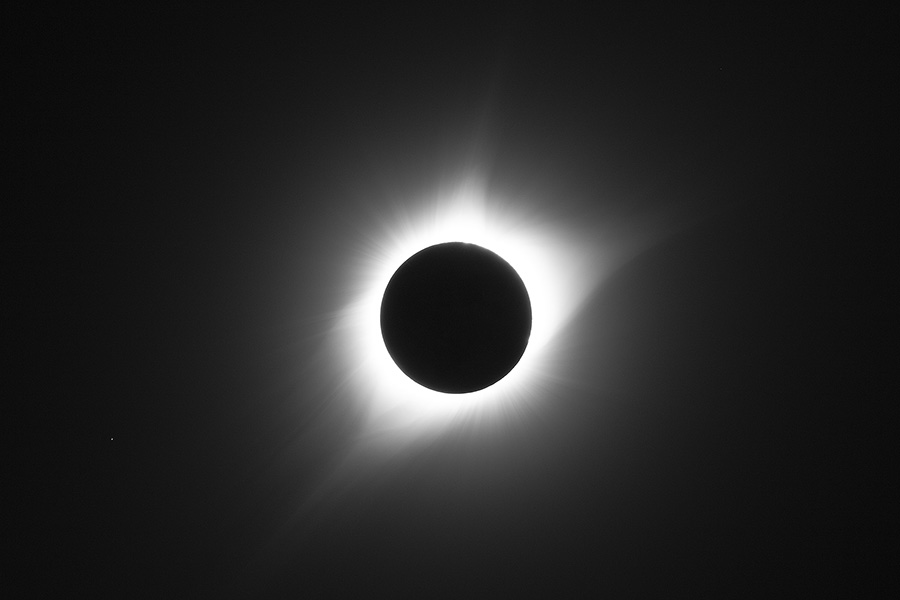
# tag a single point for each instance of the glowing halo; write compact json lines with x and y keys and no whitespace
{"x":558,"y":268}
{"x":364,"y":412}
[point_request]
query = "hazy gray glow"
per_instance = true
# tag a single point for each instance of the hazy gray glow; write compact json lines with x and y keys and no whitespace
{"x":560,"y":267}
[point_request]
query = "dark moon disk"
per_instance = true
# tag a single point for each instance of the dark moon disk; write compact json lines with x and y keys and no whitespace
{"x":456,"y":318}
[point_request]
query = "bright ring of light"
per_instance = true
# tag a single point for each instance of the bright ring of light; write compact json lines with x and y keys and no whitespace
{"x":558,"y":269}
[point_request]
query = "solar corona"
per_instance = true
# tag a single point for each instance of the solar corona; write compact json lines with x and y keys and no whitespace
{"x":459,"y":317}
{"x":456,"y":305}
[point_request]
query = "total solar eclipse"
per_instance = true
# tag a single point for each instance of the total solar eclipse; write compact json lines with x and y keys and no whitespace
{"x":456,"y":318}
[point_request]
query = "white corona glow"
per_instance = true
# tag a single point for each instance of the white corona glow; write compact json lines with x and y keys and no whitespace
{"x":558,"y":269}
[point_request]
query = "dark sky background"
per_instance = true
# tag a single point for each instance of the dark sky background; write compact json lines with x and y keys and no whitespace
{"x":184,"y":182}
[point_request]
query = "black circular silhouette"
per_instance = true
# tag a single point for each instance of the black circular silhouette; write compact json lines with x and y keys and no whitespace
{"x":456,"y":318}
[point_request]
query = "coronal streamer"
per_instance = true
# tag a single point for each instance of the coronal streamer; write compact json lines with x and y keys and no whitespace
{"x":558,"y":266}
{"x":370,"y":412}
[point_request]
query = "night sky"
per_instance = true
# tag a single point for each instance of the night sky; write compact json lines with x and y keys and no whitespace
{"x":192,"y":192}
